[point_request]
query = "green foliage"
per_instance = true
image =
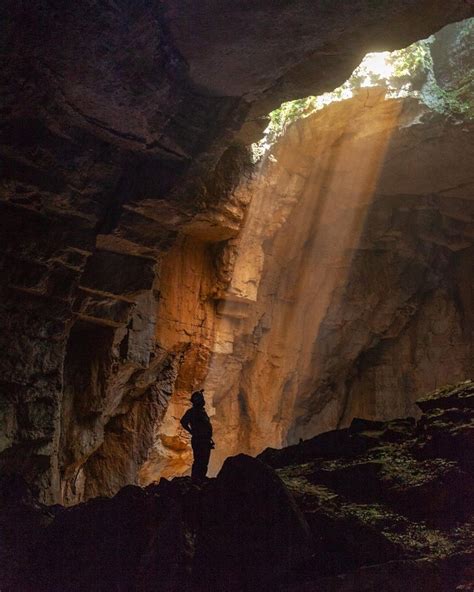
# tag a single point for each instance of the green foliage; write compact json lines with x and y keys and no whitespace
{"x":290,"y":111}
{"x":466,"y":32}
{"x":404,"y":72}
{"x":458,"y":102}
{"x":454,"y":96}
{"x":410,"y":61}
{"x":404,"y":63}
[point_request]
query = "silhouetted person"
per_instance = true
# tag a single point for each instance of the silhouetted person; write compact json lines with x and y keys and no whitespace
{"x":196,"y":421}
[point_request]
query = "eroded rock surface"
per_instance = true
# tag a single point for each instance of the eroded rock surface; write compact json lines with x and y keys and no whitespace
{"x":121,"y":137}
{"x":347,"y":284}
{"x":353,"y":275}
{"x":378,"y":505}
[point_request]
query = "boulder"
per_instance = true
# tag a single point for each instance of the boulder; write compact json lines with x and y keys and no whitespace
{"x":252,"y":532}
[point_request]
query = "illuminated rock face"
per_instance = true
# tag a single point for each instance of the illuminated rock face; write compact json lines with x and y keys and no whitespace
{"x":364,"y":294}
{"x":121,"y":146}
{"x":346,"y":291}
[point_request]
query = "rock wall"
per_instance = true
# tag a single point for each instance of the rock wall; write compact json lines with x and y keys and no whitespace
{"x":364,"y":294}
{"x":346,"y":291}
{"x":120,"y":135}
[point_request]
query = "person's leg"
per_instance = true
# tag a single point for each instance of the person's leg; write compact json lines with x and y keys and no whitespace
{"x":196,"y":461}
{"x":194,"y":468}
{"x":206,"y":454}
{"x":202,"y":452}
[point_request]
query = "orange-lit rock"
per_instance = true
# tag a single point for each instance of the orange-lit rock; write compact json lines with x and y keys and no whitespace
{"x":343,"y":293}
{"x":359,"y":277}
{"x":123,"y":143}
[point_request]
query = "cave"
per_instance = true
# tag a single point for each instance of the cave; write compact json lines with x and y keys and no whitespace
{"x":269,"y":201}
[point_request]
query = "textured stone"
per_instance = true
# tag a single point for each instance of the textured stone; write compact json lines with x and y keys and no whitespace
{"x":331,"y":515}
{"x":251,"y":531}
{"x":352,"y":279}
{"x":121,"y":124}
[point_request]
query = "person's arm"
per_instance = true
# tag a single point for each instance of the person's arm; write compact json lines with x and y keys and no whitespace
{"x":185,"y":421}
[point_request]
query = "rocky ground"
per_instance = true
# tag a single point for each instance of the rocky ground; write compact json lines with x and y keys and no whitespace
{"x":377,"y":506}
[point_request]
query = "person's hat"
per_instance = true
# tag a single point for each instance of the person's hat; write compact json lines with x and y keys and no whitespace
{"x":197,"y":395}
